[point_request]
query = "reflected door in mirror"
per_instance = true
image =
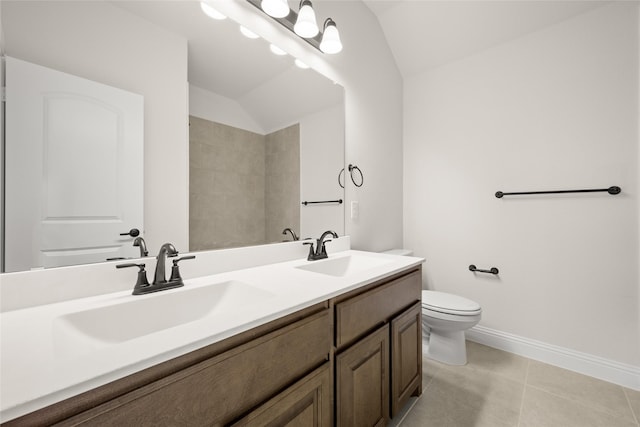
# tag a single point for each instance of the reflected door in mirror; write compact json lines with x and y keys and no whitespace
{"x":74,"y":177}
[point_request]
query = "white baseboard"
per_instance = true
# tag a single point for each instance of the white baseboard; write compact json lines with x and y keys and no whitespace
{"x":587,"y":364}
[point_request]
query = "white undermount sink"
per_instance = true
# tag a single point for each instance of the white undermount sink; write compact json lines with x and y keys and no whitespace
{"x":344,"y":266}
{"x":88,"y":330}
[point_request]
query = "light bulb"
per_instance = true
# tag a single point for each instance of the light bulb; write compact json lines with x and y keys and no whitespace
{"x":306,"y":25}
{"x":211,"y":12}
{"x":330,"y":38}
{"x":248,"y":33}
{"x":275,"y":8}
{"x":275,"y":49}
{"x":301,"y":64}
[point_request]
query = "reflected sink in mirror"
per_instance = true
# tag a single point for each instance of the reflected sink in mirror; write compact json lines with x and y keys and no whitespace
{"x":344,"y":266}
{"x":85,"y":331}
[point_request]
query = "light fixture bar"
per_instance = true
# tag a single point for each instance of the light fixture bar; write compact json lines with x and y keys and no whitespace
{"x":288,"y":22}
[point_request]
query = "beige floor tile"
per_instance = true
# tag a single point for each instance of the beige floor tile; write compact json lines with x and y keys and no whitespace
{"x":429,"y":368}
{"x":489,"y":396}
{"x":634,"y":400}
{"x":435,"y":409}
{"x":588,"y":391}
{"x":481,"y":357}
{"x":496,"y":361}
{"x":542,"y":409}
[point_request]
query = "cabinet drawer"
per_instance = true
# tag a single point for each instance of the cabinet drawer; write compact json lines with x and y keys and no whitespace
{"x":306,"y":403}
{"x":360,"y":314}
{"x":222,"y":388}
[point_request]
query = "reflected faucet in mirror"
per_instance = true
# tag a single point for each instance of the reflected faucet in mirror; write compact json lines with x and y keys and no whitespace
{"x":139,"y":242}
{"x":294,"y":236}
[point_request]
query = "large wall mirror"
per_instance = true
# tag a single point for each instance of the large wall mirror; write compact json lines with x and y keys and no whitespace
{"x":262,"y":134}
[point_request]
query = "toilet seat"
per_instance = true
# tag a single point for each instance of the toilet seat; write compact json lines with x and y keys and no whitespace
{"x":442,"y":302}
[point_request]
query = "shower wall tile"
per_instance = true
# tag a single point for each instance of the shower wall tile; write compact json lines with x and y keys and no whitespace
{"x":226,"y":186}
{"x":282,"y":175}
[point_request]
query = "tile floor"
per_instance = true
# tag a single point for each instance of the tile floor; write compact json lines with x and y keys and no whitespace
{"x":497,"y":389}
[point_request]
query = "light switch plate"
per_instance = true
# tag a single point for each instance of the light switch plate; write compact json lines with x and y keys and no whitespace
{"x":355,"y":209}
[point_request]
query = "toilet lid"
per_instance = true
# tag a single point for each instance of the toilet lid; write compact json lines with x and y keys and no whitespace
{"x":449,"y":303}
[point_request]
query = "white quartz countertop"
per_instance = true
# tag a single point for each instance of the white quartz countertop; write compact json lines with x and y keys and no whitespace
{"x":42,"y":364}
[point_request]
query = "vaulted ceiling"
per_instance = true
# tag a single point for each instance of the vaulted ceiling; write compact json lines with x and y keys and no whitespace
{"x":424,"y":34}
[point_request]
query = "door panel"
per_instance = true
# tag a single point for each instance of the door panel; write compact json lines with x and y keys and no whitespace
{"x":362,"y":382}
{"x":406,"y":357}
{"x":74,"y":168}
{"x":307,"y":403}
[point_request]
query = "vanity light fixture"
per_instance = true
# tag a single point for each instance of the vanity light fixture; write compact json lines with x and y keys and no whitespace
{"x":306,"y":25}
{"x":303,"y":24}
{"x":275,"y":8}
{"x":330,"y":38}
{"x":248,"y":33}
{"x":210,"y":11}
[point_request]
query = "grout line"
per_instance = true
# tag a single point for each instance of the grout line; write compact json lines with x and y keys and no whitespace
{"x":524,"y":391}
{"x":602,"y":411}
{"x":633,"y":414}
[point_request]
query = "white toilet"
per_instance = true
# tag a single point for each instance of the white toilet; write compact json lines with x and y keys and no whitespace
{"x":445,"y":317}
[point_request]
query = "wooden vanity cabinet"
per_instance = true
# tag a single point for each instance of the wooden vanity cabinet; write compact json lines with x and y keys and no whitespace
{"x":306,"y":403}
{"x":220,"y":389}
{"x":362,"y":381}
{"x":406,"y":357}
{"x":279,"y":360}
{"x":378,"y":350}
{"x":351,"y":361}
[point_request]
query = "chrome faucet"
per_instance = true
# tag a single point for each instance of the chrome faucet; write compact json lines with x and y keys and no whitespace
{"x":294,"y":237}
{"x":320,"y":251}
{"x":139,"y":242}
{"x":166,"y":250}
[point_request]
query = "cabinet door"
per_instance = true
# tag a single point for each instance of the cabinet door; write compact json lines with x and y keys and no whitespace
{"x":362,"y":382}
{"x":406,"y":357}
{"x":307,"y":403}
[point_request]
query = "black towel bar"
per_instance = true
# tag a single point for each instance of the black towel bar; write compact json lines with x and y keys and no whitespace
{"x":611,"y":190}
{"x":339,"y":201}
{"x":493,"y":270}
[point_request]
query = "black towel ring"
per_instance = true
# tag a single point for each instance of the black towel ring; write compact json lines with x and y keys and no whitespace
{"x":351,"y":169}
{"x":339,"y":175}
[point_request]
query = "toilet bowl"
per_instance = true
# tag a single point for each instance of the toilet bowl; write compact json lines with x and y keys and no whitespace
{"x":445,"y":317}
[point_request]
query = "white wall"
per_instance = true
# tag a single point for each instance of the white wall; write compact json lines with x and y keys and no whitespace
{"x":2,"y":83}
{"x":220,"y":109}
{"x":122,"y":50}
{"x":555,"y":109}
{"x":321,"y":158}
{"x":373,"y":110}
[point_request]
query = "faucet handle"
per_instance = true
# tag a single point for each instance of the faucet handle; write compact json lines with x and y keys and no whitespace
{"x":175,"y":269}
{"x":311,"y":255}
{"x":142,"y":281}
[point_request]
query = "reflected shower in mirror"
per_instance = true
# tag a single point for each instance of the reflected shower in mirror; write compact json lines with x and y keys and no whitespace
{"x":236,"y":89}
